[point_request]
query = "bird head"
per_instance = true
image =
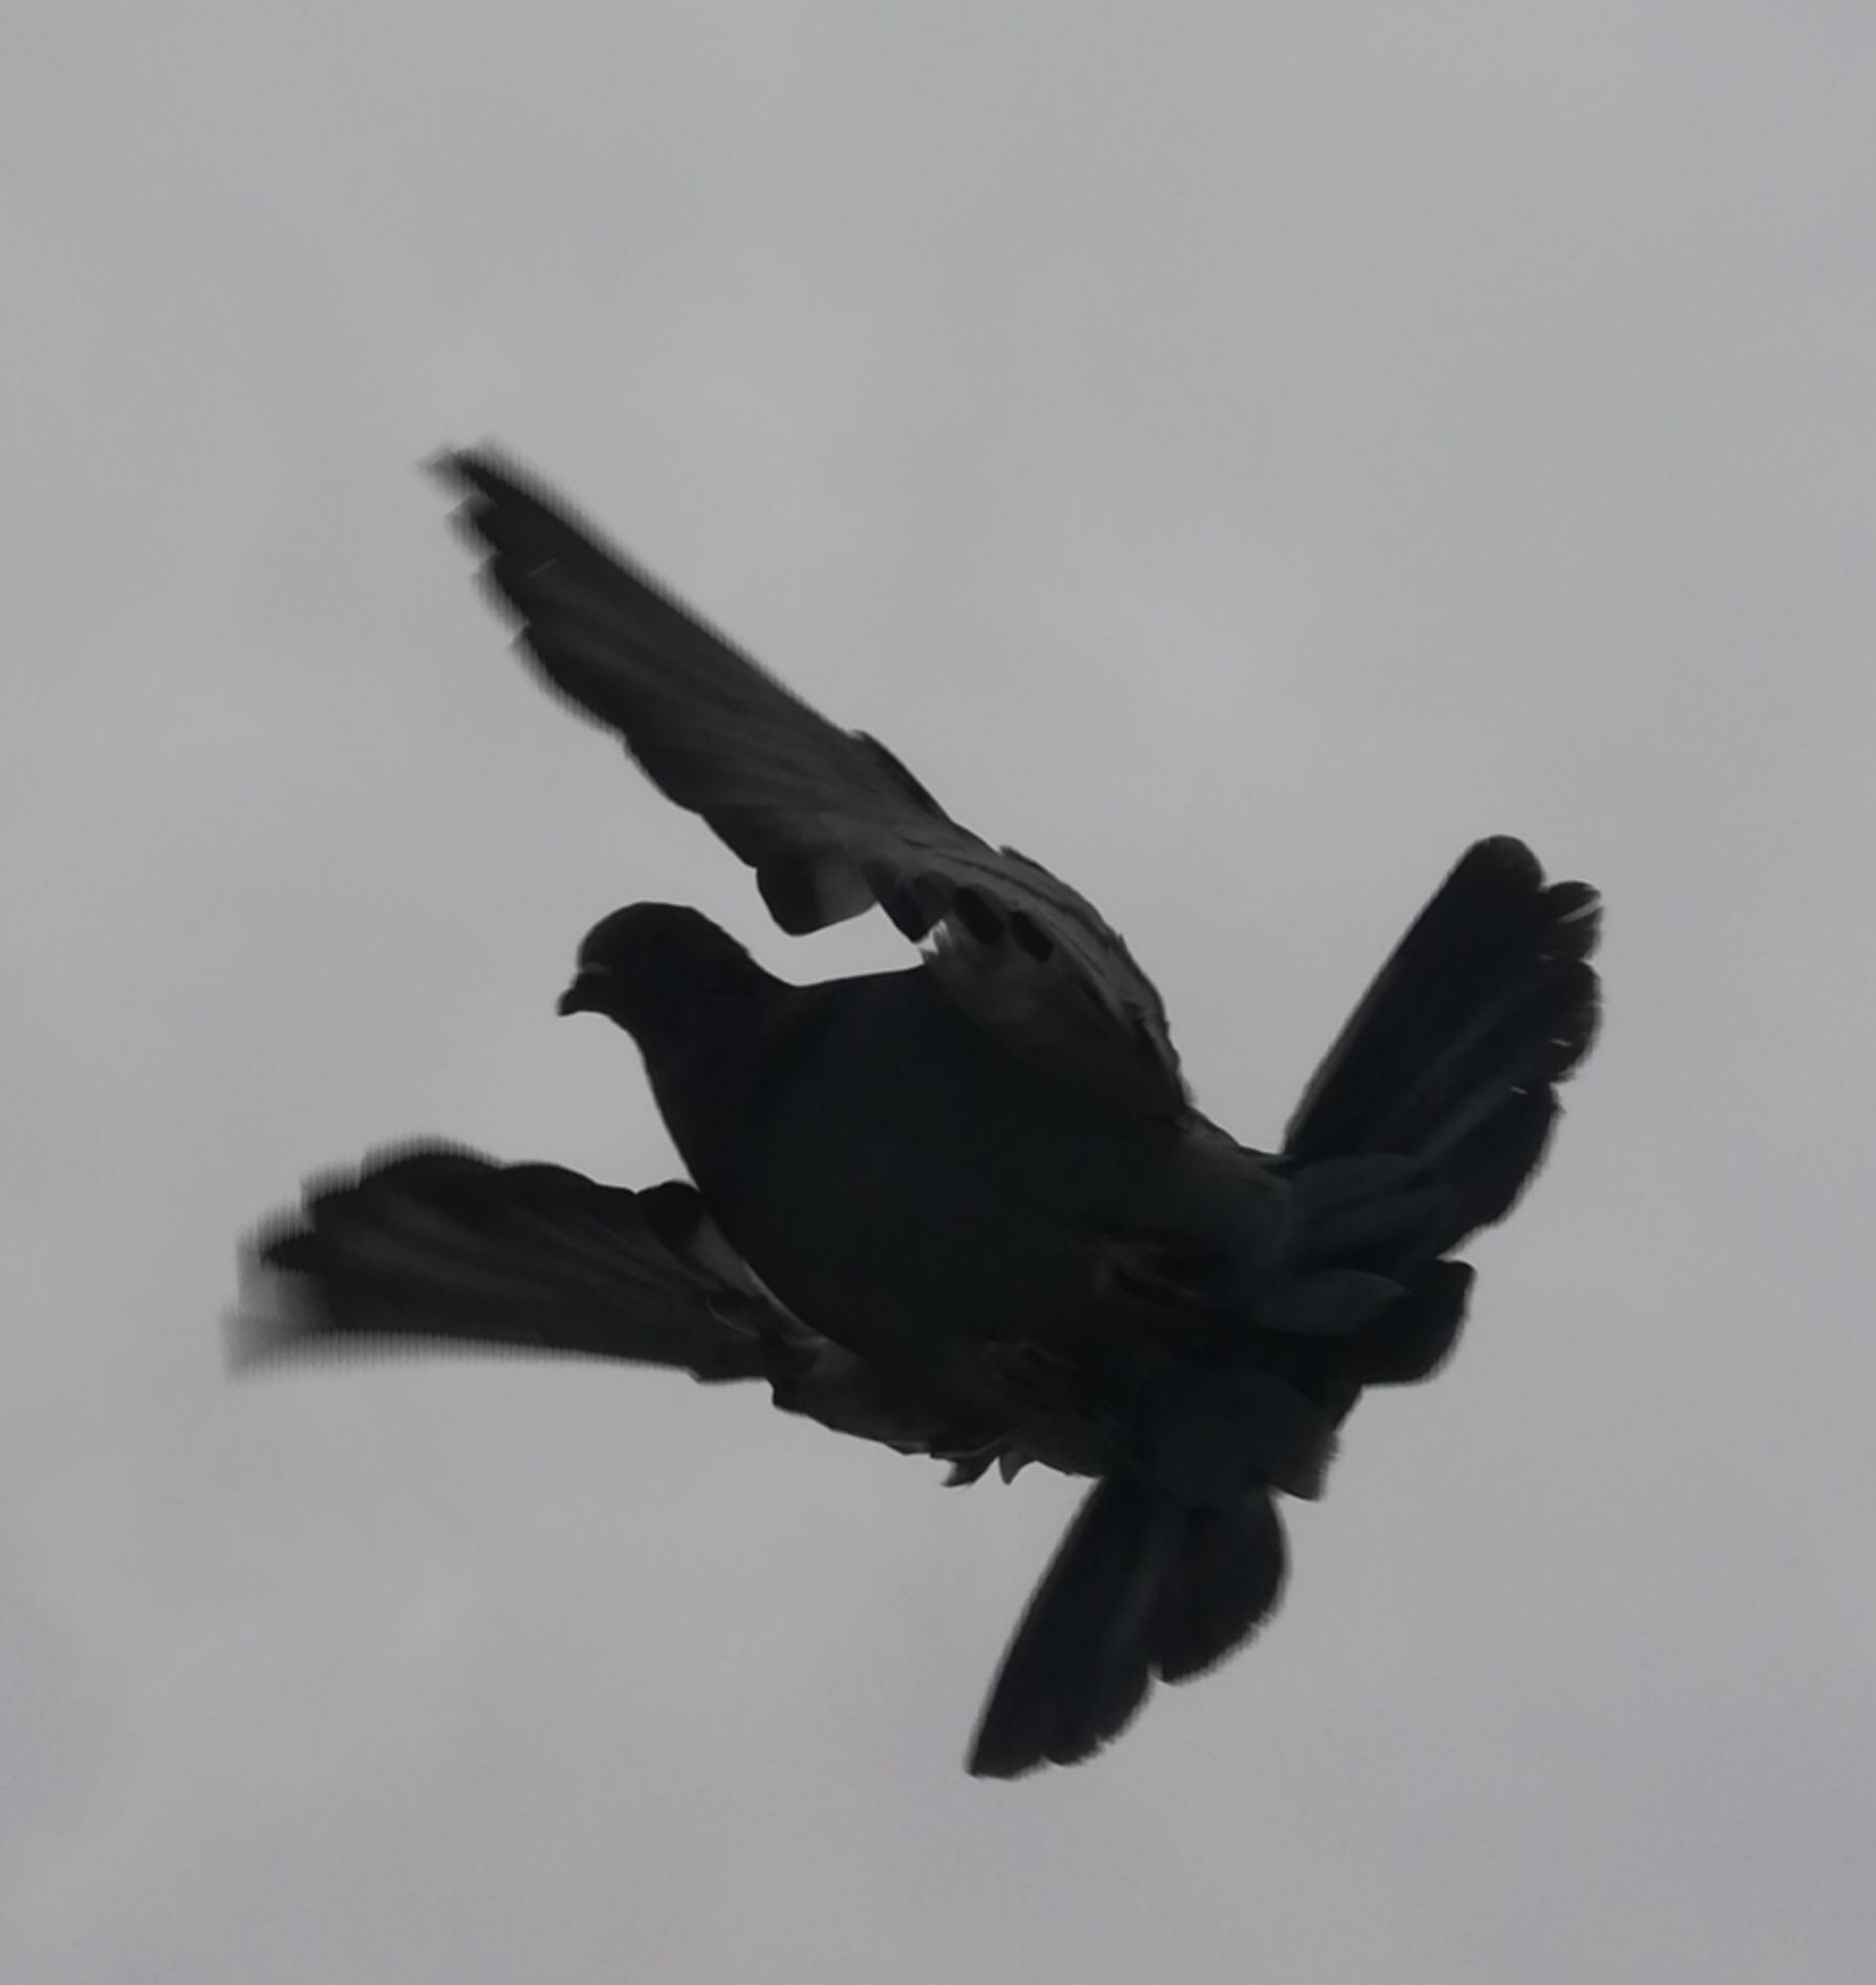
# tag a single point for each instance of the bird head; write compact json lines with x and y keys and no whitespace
{"x":652,"y":967}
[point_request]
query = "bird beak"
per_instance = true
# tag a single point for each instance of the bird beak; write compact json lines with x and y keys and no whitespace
{"x":585,"y":996}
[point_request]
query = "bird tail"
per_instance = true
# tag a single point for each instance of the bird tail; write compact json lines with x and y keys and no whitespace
{"x":1454,"y":1056}
{"x":1433,"y":1109}
{"x":1424,"y":1123}
{"x":1140,"y":1586}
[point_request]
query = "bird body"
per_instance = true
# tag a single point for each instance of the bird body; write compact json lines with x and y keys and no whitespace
{"x":967,"y":1208}
{"x":789,"y":1105}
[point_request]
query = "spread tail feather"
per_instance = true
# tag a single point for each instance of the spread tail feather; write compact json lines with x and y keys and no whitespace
{"x":1140,"y":1586}
{"x":1454,"y":1056}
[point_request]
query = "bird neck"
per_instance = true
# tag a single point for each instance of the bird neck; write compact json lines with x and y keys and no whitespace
{"x":688,"y":1004}
{"x":713,"y":1059}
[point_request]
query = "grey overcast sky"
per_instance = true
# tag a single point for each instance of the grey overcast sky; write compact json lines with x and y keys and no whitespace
{"x":1238,"y":453}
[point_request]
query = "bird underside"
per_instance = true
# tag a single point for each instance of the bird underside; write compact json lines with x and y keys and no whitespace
{"x":433,"y":1245}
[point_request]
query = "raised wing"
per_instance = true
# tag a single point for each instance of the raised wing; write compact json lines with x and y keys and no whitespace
{"x":829,"y":819}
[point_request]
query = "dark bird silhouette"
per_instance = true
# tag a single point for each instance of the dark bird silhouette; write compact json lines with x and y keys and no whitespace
{"x":967,"y":1209}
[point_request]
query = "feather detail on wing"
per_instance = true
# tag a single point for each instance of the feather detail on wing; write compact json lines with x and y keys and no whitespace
{"x":830,"y":820}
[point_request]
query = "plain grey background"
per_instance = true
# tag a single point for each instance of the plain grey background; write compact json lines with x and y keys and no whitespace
{"x":1237,"y":453}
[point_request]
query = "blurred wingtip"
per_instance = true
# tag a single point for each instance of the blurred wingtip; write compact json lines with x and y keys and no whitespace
{"x":269,"y":1320}
{"x":457,"y":467}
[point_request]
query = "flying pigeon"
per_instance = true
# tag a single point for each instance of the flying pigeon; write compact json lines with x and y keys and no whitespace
{"x":966,"y":1209}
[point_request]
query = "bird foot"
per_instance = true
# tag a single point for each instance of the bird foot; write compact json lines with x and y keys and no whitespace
{"x":1040,"y":1379}
{"x":1157,"y":1289}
